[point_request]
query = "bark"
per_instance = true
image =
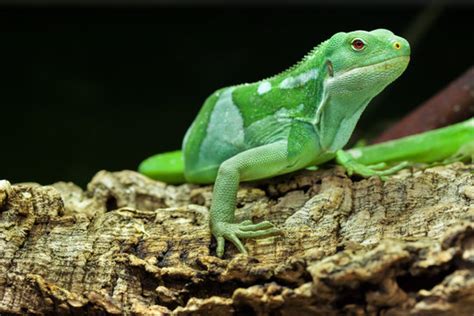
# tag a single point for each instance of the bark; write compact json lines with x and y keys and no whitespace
{"x":129,"y":245}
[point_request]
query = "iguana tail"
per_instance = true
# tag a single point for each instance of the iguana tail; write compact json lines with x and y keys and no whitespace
{"x":167,"y":167}
{"x":450,"y":143}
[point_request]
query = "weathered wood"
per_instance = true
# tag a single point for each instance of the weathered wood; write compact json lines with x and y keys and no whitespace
{"x":129,"y":245}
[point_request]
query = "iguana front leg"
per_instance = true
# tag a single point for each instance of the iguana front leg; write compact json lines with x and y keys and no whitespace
{"x":378,"y":169}
{"x":256,"y":163}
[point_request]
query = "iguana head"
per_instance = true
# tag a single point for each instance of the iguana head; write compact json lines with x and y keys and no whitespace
{"x":365,"y":62}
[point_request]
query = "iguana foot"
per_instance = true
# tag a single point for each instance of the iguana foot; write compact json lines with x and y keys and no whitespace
{"x":246,"y":229}
{"x":352,"y":166}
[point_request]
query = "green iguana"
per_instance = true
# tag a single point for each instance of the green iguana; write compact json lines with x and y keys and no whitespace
{"x":301,"y":117}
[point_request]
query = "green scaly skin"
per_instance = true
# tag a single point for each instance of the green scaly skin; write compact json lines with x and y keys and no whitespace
{"x":301,"y":117}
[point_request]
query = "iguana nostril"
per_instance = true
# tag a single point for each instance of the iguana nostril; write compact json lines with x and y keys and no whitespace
{"x":397,"y":45}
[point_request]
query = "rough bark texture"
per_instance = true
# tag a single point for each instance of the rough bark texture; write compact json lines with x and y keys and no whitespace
{"x":129,"y":245}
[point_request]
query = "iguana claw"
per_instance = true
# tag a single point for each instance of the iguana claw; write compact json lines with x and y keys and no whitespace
{"x":246,"y":229}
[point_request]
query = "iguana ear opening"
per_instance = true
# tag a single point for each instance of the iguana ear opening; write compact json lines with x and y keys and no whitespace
{"x":330,"y":68}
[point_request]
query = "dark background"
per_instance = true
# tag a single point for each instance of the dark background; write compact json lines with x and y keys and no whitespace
{"x":90,"y":88}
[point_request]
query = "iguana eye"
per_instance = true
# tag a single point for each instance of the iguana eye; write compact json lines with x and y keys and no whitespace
{"x":357,"y":44}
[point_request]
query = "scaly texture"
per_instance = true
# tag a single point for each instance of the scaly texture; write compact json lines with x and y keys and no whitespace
{"x":301,"y":117}
{"x":129,"y":245}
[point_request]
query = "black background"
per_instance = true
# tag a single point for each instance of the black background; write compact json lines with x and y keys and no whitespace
{"x":90,"y":88}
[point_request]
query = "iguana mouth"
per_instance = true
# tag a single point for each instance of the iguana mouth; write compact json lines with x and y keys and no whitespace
{"x":386,"y":62}
{"x":389,"y":61}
